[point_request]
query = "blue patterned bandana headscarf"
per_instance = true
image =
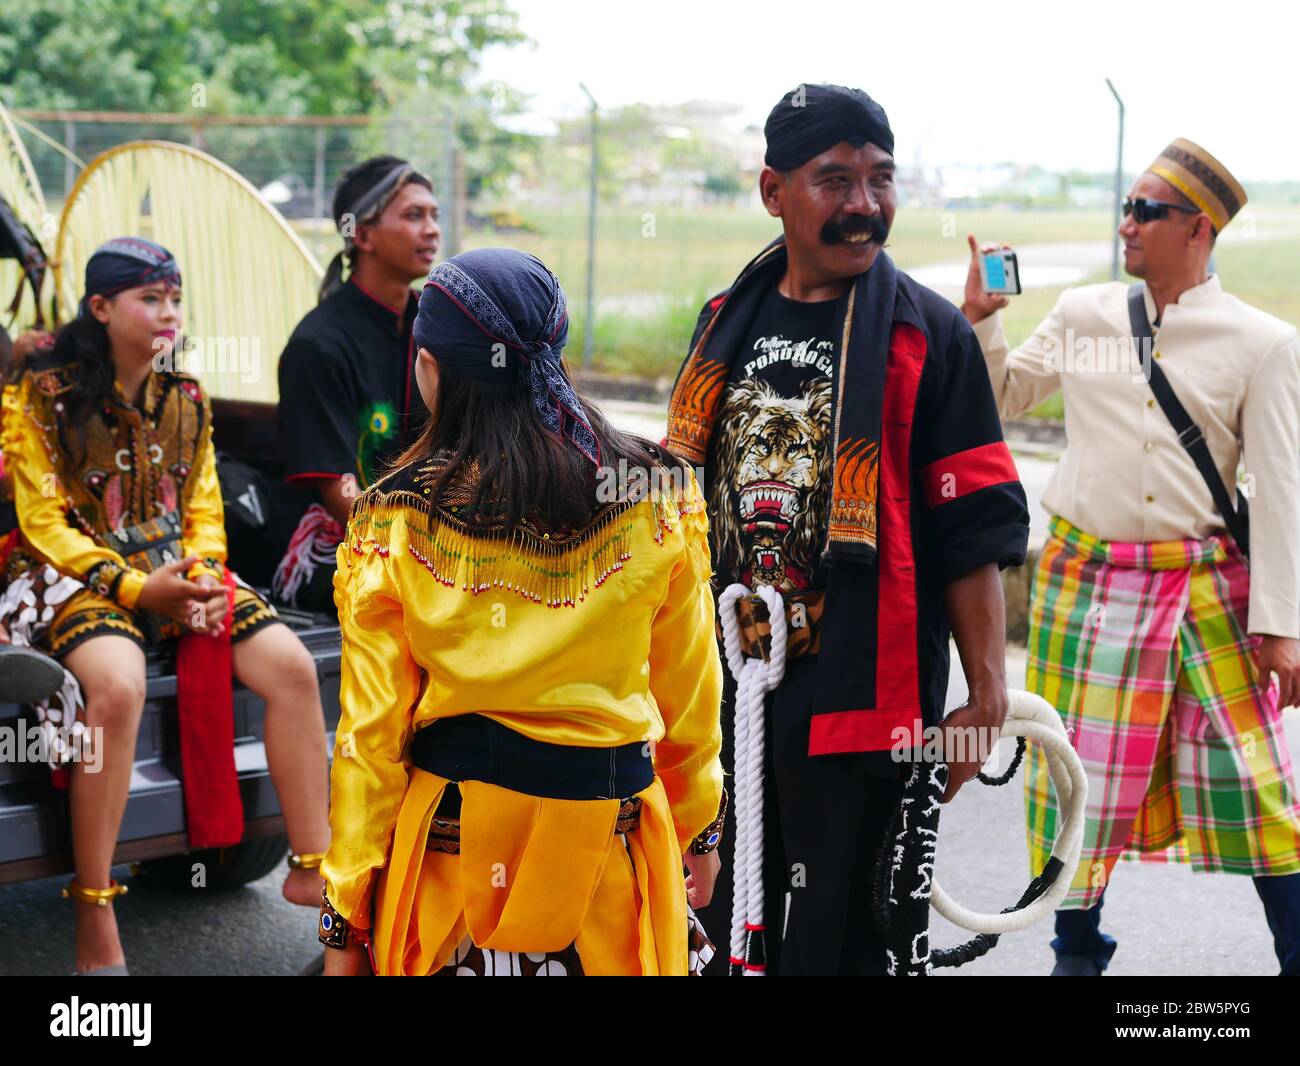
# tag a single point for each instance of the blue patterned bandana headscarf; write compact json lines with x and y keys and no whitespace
{"x":499,"y":316}
{"x":127,"y":263}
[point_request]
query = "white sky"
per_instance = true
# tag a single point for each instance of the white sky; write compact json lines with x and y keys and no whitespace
{"x":976,"y":82}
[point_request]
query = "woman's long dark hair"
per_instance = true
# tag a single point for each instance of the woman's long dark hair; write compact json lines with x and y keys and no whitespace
{"x":523,"y":470}
{"x":83,"y":341}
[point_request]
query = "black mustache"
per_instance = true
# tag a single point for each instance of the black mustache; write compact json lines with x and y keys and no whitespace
{"x":873,"y":225}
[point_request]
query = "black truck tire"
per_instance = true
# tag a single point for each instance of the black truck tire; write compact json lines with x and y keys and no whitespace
{"x":224,"y":868}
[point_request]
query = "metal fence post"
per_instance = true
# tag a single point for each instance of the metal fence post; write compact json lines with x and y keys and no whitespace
{"x":1119,"y":186}
{"x":458,"y":203}
{"x":589,"y":326}
{"x":70,"y":143}
{"x":448,"y":182}
{"x":318,"y":175}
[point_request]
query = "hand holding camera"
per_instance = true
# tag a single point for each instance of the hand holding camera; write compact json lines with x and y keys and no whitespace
{"x":993,"y":275}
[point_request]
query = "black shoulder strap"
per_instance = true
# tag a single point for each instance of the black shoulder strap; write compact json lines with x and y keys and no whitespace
{"x":1189,"y":433}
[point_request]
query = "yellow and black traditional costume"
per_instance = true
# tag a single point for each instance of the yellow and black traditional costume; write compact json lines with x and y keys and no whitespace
{"x":153,"y":467}
{"x":529,"y":740}
{"x":601,"y":639}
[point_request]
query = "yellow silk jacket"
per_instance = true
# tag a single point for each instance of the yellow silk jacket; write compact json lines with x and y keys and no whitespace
{"x":139,"y":464}
{"x":599,"y":637}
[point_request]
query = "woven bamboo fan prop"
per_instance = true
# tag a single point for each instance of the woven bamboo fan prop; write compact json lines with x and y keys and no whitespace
{"x":22,"y":191}
{"x":248,"y":278}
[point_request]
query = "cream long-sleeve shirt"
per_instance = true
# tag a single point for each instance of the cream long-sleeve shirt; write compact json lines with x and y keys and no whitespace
{"x":1124,"y":476}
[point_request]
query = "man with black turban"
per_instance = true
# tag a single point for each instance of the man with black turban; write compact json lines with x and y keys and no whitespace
{"x":854,"y":465}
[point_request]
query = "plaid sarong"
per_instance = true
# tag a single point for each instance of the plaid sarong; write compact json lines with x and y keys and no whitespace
{"x":1143,"y":650}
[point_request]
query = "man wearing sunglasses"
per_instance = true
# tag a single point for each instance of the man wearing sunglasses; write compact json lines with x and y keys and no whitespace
{"x":1150,"y":630}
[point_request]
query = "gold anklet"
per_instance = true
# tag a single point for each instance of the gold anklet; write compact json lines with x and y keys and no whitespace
{"x":100,"y":897}
{"x":310,"y":861}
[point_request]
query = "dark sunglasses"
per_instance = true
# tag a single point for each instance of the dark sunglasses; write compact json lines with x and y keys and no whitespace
{"x":1151,"y":210}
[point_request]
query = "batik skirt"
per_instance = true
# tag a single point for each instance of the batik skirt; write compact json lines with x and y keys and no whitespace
{"x":53,"y":613}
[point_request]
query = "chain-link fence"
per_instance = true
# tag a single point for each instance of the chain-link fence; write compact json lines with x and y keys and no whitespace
{"x":674,"y":206}
{"x":294,"y":162}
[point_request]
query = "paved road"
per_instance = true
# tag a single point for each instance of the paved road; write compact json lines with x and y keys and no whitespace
{"x":1167,"y":919}
{"x":1049,"y":265}
{"x":1055,"y":264}
{"x":246,"y":932}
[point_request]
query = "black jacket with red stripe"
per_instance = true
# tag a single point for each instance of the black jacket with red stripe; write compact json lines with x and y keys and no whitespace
{"x":958,"y":506}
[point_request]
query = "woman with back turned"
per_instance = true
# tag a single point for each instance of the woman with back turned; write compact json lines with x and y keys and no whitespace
{"x":528,"y":748}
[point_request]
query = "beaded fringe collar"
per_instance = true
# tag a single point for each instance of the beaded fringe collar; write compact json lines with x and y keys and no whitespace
{"x":547,"y":568}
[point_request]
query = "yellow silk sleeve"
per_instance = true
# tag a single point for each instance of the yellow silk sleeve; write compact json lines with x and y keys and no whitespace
{"x":205,"y":515}
{"x":686,"y":681}
{"x":378,"y":690}
{"x":43,"y":507}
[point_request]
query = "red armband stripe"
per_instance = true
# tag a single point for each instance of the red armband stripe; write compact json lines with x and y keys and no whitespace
{"x":959,"y":475}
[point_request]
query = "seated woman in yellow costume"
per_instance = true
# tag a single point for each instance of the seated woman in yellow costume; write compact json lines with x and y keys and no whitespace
{"x":529,"y":744}
{"x":114,"y":474}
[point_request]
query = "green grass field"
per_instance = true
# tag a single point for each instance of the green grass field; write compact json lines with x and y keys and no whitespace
{"x":654,"y":269}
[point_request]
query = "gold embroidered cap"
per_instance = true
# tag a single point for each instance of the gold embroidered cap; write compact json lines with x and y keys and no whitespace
{"x":1200,"y":177}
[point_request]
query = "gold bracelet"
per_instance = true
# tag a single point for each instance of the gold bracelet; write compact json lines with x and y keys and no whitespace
{"x":100,"y":897}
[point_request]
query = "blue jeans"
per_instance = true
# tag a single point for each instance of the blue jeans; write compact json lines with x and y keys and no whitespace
{"x":1079,"y":932}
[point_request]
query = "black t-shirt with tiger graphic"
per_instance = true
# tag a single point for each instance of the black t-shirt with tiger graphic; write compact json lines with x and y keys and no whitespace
{"x":772,"y":448}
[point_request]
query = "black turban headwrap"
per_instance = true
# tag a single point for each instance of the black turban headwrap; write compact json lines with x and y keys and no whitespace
{"x":499,"y":316}
{"x":127,"y":263}
{"x":812,"y":118}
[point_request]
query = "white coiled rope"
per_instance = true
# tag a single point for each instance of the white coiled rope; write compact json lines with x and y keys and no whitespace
{"x":1033,"y":718}
{"x":754,"y":679}
{"x":1028,"y":716}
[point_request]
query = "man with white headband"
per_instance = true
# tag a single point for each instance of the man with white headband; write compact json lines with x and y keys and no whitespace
{"x":348,"y":400}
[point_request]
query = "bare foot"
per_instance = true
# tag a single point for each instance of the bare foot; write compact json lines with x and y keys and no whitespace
{"x":303,"y":887}
{"x":97,"y":940}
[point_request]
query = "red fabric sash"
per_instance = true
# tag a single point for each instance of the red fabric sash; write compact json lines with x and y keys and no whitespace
{"x":214,"y":813}
{"x":11,"y":538}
